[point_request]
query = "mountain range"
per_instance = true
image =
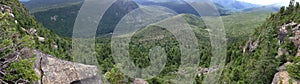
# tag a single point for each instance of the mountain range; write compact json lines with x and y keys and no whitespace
{"x":60,"y":15}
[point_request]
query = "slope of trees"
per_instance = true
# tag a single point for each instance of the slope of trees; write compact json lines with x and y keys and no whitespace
{"x":19,"y":31}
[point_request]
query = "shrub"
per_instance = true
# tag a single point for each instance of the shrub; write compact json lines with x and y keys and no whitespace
{"x":115,"y":76}
{"x":22,"y":69}
{"x":294,"y":70}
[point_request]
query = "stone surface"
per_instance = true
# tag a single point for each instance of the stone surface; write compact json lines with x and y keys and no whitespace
{"x":281,"y":52}
{"x":283,"y":67}
{"x":139,"y":81}
{"x":41,"y":39}
{"x":284,"y":78}
{"x":251,"y":45}
{"x":56,"y":71}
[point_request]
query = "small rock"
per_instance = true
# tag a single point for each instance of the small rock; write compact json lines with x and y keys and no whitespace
{"x":55,"y":46}
{"x":32,"y":31}
{"x":139,"y":81}
{"x":41,"y":39}
{"x":281,"y":52}
{"x":283,"y":67}
{"x":23,"y":29}
{"x":11,"y":15}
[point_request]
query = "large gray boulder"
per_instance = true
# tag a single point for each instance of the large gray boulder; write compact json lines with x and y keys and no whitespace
{"x":57,"y":71}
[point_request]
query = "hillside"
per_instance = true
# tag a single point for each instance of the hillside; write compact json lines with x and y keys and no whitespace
{"x":61,"y":20}
{"x":273,"y":44}
{"x":180,"y":6}
{"x":235,"y":4}
{"x":19,"y":32}
{"x":44,"y":5}
{"x":238,"y":30}
{"x":224,"y":6}
{"x":269,"y":8}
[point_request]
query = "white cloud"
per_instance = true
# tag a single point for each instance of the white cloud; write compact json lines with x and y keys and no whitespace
{"x":268,"y":2}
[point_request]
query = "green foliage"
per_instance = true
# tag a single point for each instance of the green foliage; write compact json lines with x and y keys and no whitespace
{"x":15,"y":36}
{"x":260,"y":66}
{"x":22,"y":69}
{"x":296,"y":60}
{"x":294,"y":70}
{"x":27,"y":41}
{"x":15,"y":32}
{"x":282,"y":9}
{"x":115,"y":76}
{"x":297,"y":5}
{"x":141,"y":42}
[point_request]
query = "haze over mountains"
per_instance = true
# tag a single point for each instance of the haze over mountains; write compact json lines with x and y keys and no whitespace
{"x":231,"y":4}
{"x":225,"y":5}
{"x":60,"y":15}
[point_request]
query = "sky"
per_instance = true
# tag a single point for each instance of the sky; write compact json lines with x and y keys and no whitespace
{"x":268,"y":2}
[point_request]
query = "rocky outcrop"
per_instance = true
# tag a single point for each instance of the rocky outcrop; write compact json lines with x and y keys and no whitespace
{"x":7,"y":9}
{"x":281,"y":52}
{"x":251,"y":45}
{"x":204,"y":71}
{"x":284,"y":78}
{"x":139,"y":81}
{"x":283,"y":33}
{"x":52,"y":70}
{"x":56,"y":71}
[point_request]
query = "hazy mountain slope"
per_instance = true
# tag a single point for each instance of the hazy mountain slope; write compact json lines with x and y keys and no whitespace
{"x":63,"y":19}
{"x":180,"y":6}
{"x":44,"y":5}
{"x":234,"y":4}
{"x":263,"y":9}
{"x":41,"y":3}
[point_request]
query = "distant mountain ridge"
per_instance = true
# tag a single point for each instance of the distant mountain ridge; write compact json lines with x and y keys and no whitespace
{"x":39,"y":3}
{"x":227,"y":4}
{"x":236,"y":5}
{"x":180,"y":6}
{"x":61,"y":19}
{"x":270,"y":8}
